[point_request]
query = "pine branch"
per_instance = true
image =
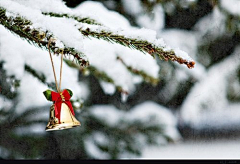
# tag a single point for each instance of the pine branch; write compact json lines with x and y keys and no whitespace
{"x":39,"y":76}
{"x":147,"y":78}
{"x":77,"y":18}
{"x":96,"y":73}
{"x":104,"y":77}
{"x":22,"y":27}
{"x":141,"y":45}
{"x":149,"y":4}
{"x":7,"y":83}
{"x":127,"y":132}
{"x":232,"y":20}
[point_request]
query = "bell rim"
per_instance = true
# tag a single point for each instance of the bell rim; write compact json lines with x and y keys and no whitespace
{"x":62,"y":126}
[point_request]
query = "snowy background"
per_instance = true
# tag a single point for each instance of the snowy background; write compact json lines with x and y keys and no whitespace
{"x":199,"y":108}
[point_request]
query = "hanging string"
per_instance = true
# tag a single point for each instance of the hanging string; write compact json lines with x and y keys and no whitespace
{"x":58,"y":87}
{"x":61,"y":71}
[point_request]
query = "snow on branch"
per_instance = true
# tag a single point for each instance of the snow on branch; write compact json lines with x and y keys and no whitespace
{"x":142,"y":45}
{"x":38,"y":27}
{"x":147,"y":78}
{"x":23,"y":28}
{"x":77,"y":18}
{"x":101,"y":75}
{"x":40,"y":76}
{"x":99,"y":31}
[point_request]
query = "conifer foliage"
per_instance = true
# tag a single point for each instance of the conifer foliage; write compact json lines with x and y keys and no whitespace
{"x":103,"y":63}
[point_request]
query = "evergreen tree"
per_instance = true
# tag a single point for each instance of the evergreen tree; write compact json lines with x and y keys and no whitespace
{"x":122,"y":98}
{"x":111,"y":139}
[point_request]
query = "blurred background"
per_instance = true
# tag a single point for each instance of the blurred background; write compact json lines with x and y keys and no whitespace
{"x":187,"y":114}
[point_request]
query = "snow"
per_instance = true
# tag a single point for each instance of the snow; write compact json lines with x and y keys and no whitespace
{"x":97,"y":11}
{"x":132,"y":7}
{"x":15,"y":59}
{"x":205,"y":106}
{"x":26,"y":92}
{"x":46,"y":5}
{"x":182,"y":54}
{"x":132,"y":33}
{"x":103,"y":56}
{"x":4,"y":152}
{"x":194,"y":150}
{"x":148,"y":113}
{"x":176,"y":38}
{"x":32,"y":129}
{"x":108,"y":87}
{"x":231,"y":6}
{"x":4,"y":103}
{"x":92,"y":149}
{"x":107,"y":113}
{"x":55,"y":25}
{"x":108,"y":52}
{"x":123,"y":27}
{"x":137,"y":60}
{"x":211,"y":26}
{"x":220,"y":119}
{"x":154,"y":20}
{"x":163,"y":116}
{"x":143,"y":112}
{"x":208,"y":96}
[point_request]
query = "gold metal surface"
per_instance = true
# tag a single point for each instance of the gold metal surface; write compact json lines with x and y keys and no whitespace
{"x":66,"y":117}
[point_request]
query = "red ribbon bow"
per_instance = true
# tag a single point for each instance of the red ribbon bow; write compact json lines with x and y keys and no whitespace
{"x":60,"y":98}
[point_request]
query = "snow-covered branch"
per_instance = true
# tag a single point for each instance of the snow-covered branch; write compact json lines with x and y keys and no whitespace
{"x":39,"y":32}
{"x":101,"y":75}
{"x":39,"y":37}
{"x":147,"y":78}
{"x":99,"y":31}
{"x":77,"y":18}
{"x":142,"y":45}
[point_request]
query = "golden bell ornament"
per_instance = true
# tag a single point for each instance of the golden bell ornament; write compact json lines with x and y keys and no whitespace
{"x":66,"y":117}
{"x":61,"y":112}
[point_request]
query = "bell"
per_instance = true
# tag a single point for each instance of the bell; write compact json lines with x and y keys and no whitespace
{"x":66,"y":117}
